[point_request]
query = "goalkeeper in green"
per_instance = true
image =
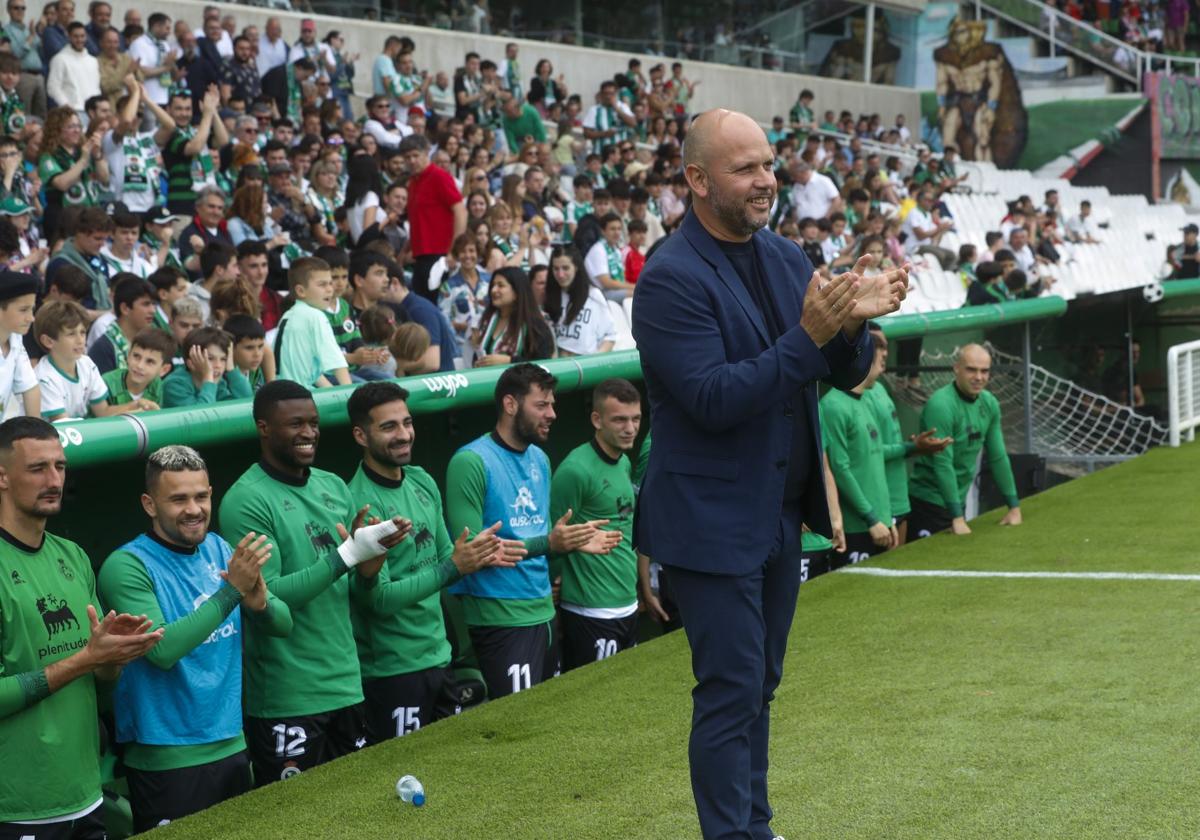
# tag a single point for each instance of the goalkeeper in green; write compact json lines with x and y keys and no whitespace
{"x":967,"y":412}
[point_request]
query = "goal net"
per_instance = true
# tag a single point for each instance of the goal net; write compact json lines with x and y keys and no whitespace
{"x":1073,"y":428}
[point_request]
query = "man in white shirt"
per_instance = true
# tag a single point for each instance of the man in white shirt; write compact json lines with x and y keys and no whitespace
{"x":609,"y":121}
{"x":154,"y":52}
{"x":924,"y":231}
{"x":813,"y":195}
{"x":1082,"y":228}
{"x":1027,"y":261}
{"x":224,"y":42}
{"x":74,"y":72}
{"x":380,"y":124}
{"x":902,"y":129}
{"x":307,"y":47}
{"x":272,"y":49}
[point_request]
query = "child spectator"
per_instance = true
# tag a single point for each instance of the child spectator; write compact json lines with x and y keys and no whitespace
{"x":122,"y":252}
{"x":378,"y":323}
{"x":186,"y":316}
{"x":305,"y":346}
{"x":409,"y":346}
{"x":70,"y":283}
{"x":71,"y":384}
{"x":218,"y":262}
{"x":133,"y":303}
{"x":249,"y":349}
{"x":232,"y":297}
{"x":635,"y":260}
{"x":988,"y":286}
{"x":206,"y":376}
{"x":580,"y":207}
{"x":170,"y":284}
{"x":810,"y":232}
{"x":141,"y":382}
{"x":341,"y":319}
{"x":18,"y":294}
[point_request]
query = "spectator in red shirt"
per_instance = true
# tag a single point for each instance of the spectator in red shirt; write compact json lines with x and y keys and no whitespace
{"x":634,"y":260}
{"x":436,"y":212}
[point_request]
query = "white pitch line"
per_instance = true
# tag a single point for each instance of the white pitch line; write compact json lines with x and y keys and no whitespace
{"x":875,"y":571}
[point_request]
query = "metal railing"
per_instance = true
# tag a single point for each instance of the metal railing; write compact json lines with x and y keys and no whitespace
{"x":1085,"y":40}
{"x":1183,"y":391}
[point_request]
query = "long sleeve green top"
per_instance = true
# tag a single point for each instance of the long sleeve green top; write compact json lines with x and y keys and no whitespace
{"x":945,"y":478}
{"x":852,"y":440}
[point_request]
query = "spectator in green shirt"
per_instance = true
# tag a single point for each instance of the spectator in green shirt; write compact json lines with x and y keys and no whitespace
{"x":206,"y":376}
{"x":141,"y":378}
{"x":522,"y":124}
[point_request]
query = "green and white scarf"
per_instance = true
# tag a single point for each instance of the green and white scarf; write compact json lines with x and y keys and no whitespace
{"x":119,"y":342}
{"x":616,"y":266}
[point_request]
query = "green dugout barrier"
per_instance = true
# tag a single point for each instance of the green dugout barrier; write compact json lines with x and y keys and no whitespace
{"x":973,"y":317}
{"x":108,"y":439}
{"x":1180,"y":288}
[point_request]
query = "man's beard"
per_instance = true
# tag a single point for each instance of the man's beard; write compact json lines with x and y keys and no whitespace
{"x":733,"y":213}
{"x":527,"y":430}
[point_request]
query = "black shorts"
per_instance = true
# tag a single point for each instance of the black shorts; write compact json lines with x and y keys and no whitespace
{"x":88,"y":827}
{"x":284,"y":746}
{"x":159,"y":796}
{"x":511,"y":659}
{"x":926,"y":519}
{"x":402,"y":703}
{"x":859,"y":547}
{"x":813,"y":564}
{"x":587,"y":639}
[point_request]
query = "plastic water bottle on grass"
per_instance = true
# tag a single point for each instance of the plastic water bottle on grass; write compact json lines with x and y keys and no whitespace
{"x":410,"y":790}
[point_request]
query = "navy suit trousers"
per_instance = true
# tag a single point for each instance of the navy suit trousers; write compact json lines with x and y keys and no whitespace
{"x":737,"y":627}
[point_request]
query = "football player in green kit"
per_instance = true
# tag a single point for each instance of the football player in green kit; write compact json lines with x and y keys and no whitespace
{"x":896,"y":449}
{"x":970,"y":414}
{"x":53,"y":648}
{"x":303,"y":694}
{"x":397,"y":613}
{"x":599,"y":596}
{"x":505,"y":475}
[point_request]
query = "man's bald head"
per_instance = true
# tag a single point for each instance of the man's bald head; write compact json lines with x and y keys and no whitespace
{"x":730,"y":169}
{"x":974,"y":354}
{"x":715,"y":130}
{"x":972,"y":370}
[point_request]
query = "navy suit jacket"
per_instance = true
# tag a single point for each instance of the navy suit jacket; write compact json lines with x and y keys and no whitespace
{"x":721,"y":398}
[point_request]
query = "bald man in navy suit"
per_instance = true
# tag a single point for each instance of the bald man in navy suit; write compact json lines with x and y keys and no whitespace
{"x":735,"y":331}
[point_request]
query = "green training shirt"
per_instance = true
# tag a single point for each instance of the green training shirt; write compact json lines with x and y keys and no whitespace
{"x":118,"y":391}
{"x":315,"y":669}
{"x":397,"y":614}
{"x":855,"y":450}
{"x":49,"y":742}
{"x":126,"y":586}
{"x":895,"y":448}
{"x":944,"y":479}
{"x":596,"y":486}
{"x":466,"y":489}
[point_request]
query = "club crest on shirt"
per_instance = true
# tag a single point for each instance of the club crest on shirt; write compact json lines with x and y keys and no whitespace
{"x":64,"y":570}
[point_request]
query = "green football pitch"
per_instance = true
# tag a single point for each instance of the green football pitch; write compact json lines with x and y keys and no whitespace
{"x":911,"y":706}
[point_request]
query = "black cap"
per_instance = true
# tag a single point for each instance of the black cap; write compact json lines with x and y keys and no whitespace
{"x":1191,"y":229}
{"x":13,"y":284}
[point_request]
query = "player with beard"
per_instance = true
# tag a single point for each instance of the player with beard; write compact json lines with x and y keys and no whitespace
{"x":53,"y":648}
{"x":397,"y":613}
{"x":600,"y":594}
{"x":190,"y":582}
{"x":303,"y":694}
{"x":505,"y":475}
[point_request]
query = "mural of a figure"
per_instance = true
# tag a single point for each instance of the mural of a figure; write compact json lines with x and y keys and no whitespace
{"x":979,"y":99}
{"x":845,"y":58}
